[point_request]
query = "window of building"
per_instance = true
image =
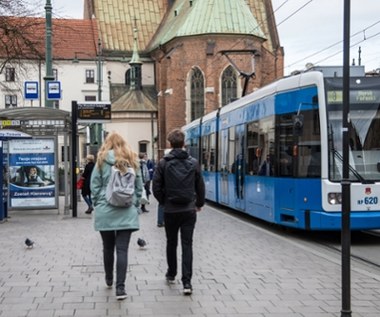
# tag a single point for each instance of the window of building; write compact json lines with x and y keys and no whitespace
{"x":89,"y":98}
{"x":10,"y":101}
{"x":56,"y":104}
{"x":128,"y":77}
{"x":197,"y":94}
{"x":90,"y":76}
{"x":10,"y":74}
{"x":143,"y":147}
{"x":229,"y":85}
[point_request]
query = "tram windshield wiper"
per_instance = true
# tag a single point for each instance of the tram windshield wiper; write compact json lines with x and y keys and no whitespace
{"x":352,"y":170}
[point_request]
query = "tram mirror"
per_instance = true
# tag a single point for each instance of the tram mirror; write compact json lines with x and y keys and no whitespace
{"x":378,"y":166}
{"x":298,"y":124}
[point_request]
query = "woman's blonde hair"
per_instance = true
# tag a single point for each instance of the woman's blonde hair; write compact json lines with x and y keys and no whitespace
{"x":124,"y":155}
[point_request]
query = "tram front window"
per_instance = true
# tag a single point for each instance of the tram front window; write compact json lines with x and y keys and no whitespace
{"x":364,"y":142}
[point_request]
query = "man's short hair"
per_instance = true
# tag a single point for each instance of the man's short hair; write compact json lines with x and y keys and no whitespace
{"x":176,"y":138}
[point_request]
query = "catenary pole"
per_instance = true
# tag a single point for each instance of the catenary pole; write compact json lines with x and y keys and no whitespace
{"x":346,"y":185}
{"x":74,"y":157}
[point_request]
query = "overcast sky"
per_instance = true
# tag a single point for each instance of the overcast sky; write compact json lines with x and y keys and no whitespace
{"x":67,"y":8}
{"x":309,"y":35}
{"x":311,"y":31}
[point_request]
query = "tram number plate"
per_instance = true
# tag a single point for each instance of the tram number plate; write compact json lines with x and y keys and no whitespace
{"x":368,"y":201}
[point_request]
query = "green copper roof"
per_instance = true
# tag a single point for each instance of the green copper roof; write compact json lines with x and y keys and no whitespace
{"x":195,"y":17}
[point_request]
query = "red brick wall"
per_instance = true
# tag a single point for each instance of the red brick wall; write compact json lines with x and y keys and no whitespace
{"x":172,"y":73}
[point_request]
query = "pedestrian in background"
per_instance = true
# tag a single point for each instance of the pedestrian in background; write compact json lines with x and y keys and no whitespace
{"x":178,"y":185}
{"x":115,"y":224}
{"x":86,"y":189}
{"x":150,"y":166}
{"x":145,"y":177}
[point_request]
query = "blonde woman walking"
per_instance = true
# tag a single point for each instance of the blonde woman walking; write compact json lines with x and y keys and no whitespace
{"x":115,"y":224}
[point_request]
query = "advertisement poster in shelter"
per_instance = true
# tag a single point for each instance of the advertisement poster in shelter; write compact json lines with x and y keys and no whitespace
{"x":32,"y":173}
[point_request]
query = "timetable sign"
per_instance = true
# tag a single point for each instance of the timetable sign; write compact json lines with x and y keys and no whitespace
{"x":94,"y":111}
{"x":31,"y":90}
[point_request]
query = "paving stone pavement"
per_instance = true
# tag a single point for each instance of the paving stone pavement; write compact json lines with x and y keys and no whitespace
{"x":239,"y":270}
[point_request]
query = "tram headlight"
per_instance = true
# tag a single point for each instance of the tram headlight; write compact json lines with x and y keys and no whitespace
{"x":335,"y":198}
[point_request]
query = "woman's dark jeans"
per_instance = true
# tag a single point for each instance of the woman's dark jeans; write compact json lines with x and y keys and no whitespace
{"x":87,"y":199}
{"x":118,"y":239}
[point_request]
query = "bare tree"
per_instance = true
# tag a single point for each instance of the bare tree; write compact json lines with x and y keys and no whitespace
{"x":20,"y":35}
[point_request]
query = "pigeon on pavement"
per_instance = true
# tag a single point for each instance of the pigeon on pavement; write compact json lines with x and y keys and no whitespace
{"x":141,"y":242}
{"x":29,"y":243}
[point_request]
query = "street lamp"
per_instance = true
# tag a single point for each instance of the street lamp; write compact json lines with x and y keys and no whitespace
{"x":48,"y":52}
{"x":99,"y":70}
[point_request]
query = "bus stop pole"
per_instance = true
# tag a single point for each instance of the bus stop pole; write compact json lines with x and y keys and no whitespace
{"x":346,"y":185}
{"x":74,"y":132}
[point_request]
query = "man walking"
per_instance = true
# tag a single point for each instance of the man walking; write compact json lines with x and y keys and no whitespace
{"x":178,"y":185}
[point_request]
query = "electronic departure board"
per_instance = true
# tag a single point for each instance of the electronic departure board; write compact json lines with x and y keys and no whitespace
{"x":94,"y":111}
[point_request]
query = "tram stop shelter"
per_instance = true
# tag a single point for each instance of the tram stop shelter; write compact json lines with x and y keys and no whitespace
{"x":36,"y":122}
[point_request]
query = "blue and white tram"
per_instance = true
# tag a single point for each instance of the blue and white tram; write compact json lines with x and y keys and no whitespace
{"x":276,"y":154}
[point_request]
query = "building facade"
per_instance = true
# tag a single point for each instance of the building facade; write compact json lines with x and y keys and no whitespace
{"x":202,"y":53}
{"x":193,"y":56}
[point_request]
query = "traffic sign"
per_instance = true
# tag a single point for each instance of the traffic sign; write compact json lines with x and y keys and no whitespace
{"x":54,"y":90}
{"x":31,"y":90}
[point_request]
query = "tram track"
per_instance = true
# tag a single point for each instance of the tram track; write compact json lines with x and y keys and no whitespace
{"x":354,"y":256}
{"x":365,"y":245}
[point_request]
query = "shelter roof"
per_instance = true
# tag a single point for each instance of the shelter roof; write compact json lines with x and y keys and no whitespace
{"x":34,"y":113}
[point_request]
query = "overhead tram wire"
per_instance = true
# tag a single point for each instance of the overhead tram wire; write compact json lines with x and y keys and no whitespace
{"x":216,"y":58}
{"x":294,"y":13}
{"x":335,"y":44}
{"x":353,"y":45}
{"x":321,"y":51}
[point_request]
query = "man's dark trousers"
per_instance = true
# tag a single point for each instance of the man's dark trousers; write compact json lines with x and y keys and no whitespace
{"x":185,"y":223}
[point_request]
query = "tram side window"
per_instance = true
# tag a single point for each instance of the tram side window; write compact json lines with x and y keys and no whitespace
{"x":208,"y":152}
{"x":231,"y":149}
{"x":284,"y":144}
{"x":193,"y":148}
{"x":253,"y":148}
{"x":309,"y":146}
{"x":212,"y":152}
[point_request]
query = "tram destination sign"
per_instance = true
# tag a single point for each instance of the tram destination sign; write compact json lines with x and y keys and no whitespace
{"x":94,"y":111}
{"x":357,"y":96}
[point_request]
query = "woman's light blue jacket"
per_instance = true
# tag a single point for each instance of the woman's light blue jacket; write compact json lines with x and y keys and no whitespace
{"x":108,"y":217}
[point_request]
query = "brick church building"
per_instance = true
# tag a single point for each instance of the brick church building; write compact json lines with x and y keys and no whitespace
{"x":185,"y":58}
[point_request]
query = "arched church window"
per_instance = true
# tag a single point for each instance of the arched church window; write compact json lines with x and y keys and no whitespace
{"x":229,"y":85}
{"x":197,"y":94}
{"x":128,"y":77}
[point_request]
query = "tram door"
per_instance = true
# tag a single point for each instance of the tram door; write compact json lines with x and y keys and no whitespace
{"x":240,"y":167}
